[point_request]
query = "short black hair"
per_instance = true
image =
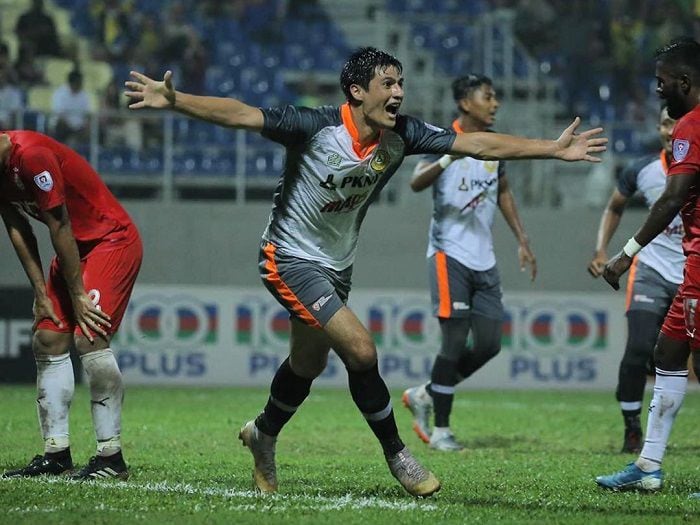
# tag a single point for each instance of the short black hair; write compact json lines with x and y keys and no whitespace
{"x":682,"y":53}
{"x":463,"y":87}
{"x":360,"y":68}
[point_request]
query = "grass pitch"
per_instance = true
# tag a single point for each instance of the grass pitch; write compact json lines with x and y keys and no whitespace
{"x":531,"y":458}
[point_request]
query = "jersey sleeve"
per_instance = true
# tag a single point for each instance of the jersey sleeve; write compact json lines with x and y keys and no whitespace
{"x":42,"y":176}
{"x":686,"y":148}
{"x":627,"y":181}
{"x":421,"y":137}
{"x":291,"y":125}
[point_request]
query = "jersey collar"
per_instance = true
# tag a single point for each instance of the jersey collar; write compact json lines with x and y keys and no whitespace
{"x":361,"y":151}
{"x":457,"y":127}
{"x":664,"y":162}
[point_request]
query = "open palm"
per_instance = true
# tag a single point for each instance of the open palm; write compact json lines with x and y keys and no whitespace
{"x":145,"y":92}
{"x":575,"y":147}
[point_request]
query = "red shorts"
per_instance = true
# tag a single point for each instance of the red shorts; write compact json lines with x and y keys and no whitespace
{"x":109,"y":272}
{"x":683,"y":317}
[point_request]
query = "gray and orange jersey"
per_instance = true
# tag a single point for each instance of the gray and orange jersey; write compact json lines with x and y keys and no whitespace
{"x":465,"y":197}
{"x":647,"y":176}
{"x":329,"y":180}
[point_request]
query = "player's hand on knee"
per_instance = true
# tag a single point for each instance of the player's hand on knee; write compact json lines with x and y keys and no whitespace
{"x":90,"y":317}
{"x":43,"y":309}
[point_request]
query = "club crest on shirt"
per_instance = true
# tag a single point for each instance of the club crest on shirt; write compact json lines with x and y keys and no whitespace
{"x":680,"y":149}
{"x":334,"y":160}
{"x":44,"y":181}
{"x":491,"y":165}
{"x":380,"y":161}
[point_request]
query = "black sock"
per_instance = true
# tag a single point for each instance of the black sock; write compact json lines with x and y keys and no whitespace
{"x":631,"y":418}
{"x":371,"y":396}
{"x":59,"y":456}
{"x":442,"y":381}
{"x":287,"y":392}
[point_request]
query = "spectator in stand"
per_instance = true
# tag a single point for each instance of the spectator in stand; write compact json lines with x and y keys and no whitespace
{"x":37,"y":27}
{"x":28,"y":72}
{"x":70,"y":106}
{"x":11,"y":100}
{"x":6,"y":63}
{"x":114,"y":28}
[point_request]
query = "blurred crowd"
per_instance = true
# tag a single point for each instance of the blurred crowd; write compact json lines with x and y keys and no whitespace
{"x":601,"y":50}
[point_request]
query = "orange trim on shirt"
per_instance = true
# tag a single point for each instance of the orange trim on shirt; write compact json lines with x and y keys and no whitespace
{"x":286,"y":294}
{"x":630,"y":284}
{"x":457,"y":127}
{"x":444,"y":307}
{"x":664,"y":162}
{"x":349,"y":123}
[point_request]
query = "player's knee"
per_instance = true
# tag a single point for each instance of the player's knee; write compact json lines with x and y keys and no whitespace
{"x":363,"y":356}
{"x":309,"y":368}
{"x":84,"y":346}
{"x":46,"y":342}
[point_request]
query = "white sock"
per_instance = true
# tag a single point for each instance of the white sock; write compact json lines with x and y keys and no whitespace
{"x":55,"y":386}
{"x":439,"y":433}
{"x":669,"y":391}
{"x":107,"y":394}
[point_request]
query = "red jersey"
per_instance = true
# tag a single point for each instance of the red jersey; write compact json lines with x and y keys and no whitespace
{"x":686,"y":160}
{"x":41,"y":174}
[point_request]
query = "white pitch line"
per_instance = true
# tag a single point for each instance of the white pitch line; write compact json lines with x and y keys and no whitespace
{"x":272,"y":502}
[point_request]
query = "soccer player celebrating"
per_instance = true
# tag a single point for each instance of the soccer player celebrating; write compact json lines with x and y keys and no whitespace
{"x":678,"y":84}
{"x":338,"y":159}
{"x":464,"y":282}
{"x":98,"y":256}
{"x":653,"y":283}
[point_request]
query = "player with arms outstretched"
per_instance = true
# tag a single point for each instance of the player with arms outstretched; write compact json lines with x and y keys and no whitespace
{"x":338,"y":159}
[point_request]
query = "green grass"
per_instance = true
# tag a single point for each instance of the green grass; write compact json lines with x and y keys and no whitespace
{"x":531,"y":458}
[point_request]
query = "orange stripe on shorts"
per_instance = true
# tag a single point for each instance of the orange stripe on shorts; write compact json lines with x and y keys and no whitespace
{"x":630,"y":284}
{"x":288,"y":295}
{"x":444,"y":307}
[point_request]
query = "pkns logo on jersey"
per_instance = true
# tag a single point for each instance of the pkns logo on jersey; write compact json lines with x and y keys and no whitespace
{"x":554,"y":342}
{"x":165,"y":336}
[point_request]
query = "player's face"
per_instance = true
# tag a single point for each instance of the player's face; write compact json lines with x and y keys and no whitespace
{"x":481,"y":106}
{"x":668,"y":87}
{"x":381,"y":101}
{"x":666,"y":124}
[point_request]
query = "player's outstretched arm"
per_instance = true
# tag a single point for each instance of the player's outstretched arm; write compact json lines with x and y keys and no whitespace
{"x":144,"y":92}
{"x":570,"y":146}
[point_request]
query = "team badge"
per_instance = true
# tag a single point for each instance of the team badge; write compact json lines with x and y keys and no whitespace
{"x":334,"y":160}
{"x":44,"y":181}
{"x":380,"y":161}
{"x":680,"y":149}
{"x":491,"y":166}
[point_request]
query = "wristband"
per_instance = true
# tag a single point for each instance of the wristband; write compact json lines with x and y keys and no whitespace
{"x":445,"y":161}
{"x":632,"y":247}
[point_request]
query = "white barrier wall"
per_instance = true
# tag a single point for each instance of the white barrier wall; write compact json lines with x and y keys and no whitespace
{"x":201,"y":335}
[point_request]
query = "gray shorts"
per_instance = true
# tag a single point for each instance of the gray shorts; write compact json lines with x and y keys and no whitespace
{"x":310,"y":292}
{"x":458,"y":291}
{"x":647,"y":290}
